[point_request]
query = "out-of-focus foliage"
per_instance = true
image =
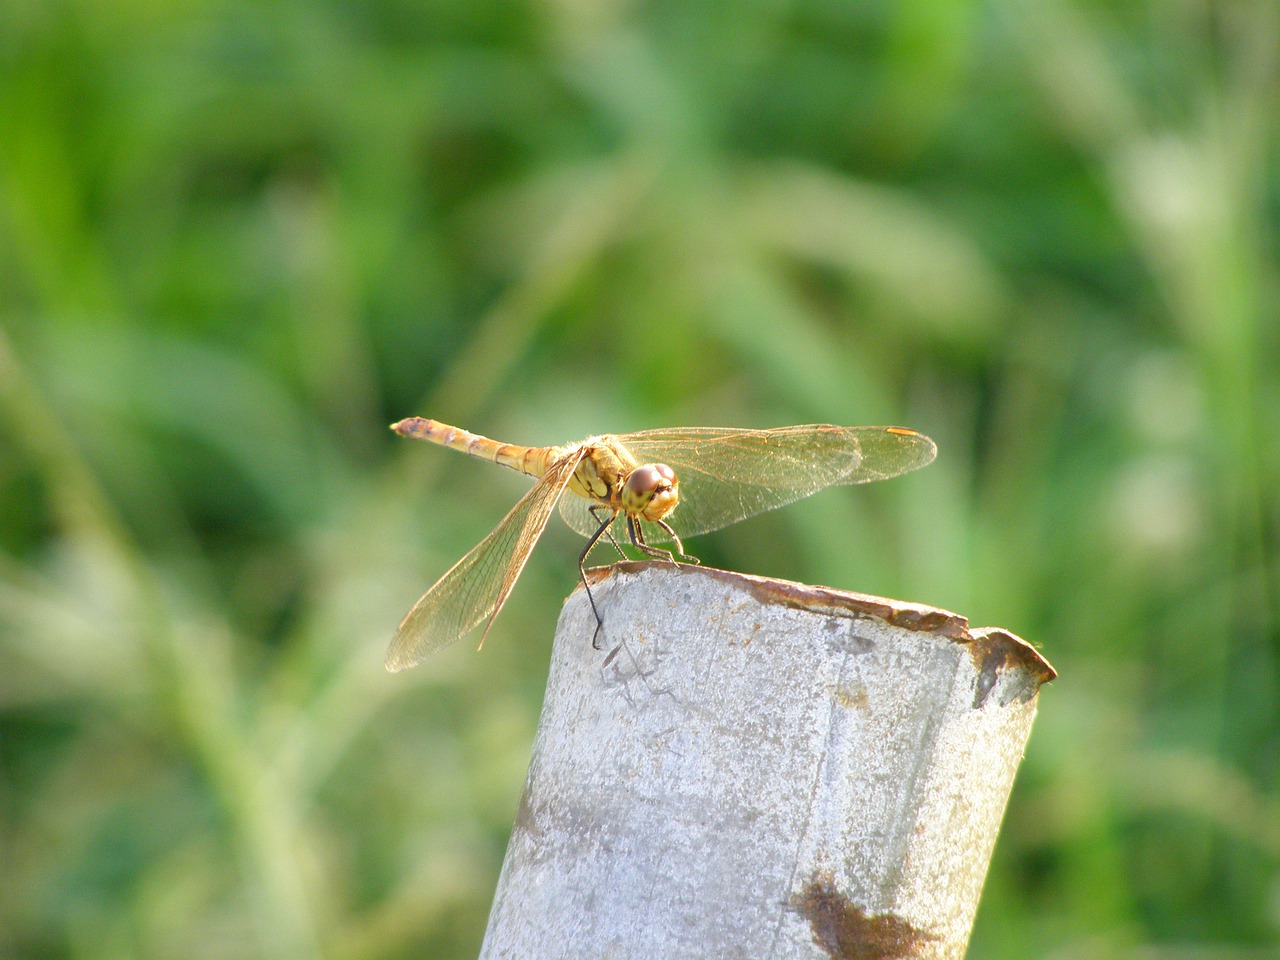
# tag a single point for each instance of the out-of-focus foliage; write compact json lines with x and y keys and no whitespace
{"x":237,"y":239}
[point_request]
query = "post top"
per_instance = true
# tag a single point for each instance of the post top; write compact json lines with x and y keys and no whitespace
{"x":986,"y":644}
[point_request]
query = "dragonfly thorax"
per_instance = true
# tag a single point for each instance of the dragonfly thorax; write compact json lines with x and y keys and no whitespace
{"x":610,"y":475}
{"x":651,"y":491}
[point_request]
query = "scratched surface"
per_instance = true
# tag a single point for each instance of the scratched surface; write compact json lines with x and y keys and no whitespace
{"x":750,"y":768}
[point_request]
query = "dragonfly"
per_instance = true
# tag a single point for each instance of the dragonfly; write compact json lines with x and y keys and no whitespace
{"x":653,"y":487}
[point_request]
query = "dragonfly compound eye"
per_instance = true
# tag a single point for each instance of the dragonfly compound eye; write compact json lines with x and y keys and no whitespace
{"x":650,"y":491}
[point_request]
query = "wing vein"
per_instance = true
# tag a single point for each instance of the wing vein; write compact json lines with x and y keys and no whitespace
{"x":477,"y":586}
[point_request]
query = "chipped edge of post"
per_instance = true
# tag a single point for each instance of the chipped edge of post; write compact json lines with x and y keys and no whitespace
{"x":992,"y":648}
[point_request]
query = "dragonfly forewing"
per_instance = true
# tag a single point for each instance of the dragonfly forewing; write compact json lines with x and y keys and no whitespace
{"x":727,"y":475}
{"x":478,"y":585}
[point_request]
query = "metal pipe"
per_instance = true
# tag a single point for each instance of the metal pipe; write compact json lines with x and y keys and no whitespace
{"x":755,"y":768}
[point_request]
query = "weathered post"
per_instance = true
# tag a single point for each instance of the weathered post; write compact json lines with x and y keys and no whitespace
{"x":755,"y":768}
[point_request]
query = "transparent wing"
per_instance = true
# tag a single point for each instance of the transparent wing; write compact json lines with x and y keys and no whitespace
{"x":576,"y":512}
{"x":478,"y":585}
{"x":727,"y":475}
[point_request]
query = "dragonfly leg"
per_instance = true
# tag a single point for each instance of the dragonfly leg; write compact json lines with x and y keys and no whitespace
{"x":582,"y":573}
{"x":637,"y":537}
{"x":612,"y":539}
{"x":679,"y":551}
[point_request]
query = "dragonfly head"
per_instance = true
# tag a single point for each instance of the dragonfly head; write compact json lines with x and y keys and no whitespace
{"x":651,"y":491}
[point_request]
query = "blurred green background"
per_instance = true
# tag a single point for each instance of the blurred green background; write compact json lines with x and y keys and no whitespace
{"x":238,"y":239}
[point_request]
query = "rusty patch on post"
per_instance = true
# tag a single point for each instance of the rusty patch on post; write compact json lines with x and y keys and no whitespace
{"x":993,"y":649}
{"x":909,"y":616}
{"x":846,"y":931}
{"x":996,"y":651}
{"x":921,"y":619}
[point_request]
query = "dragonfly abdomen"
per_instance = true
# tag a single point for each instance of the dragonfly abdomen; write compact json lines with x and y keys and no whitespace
{"x":530,"y":460}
